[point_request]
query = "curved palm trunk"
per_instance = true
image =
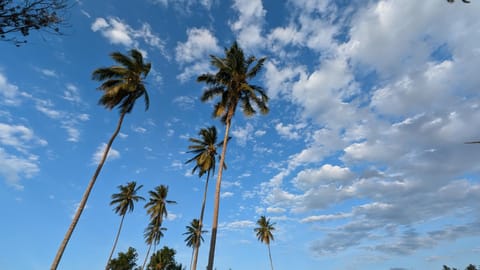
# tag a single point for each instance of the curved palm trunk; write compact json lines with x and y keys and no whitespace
{"x":200,"y":221}
{"x":146,"y":257}
{"x":115,"y":243}
{"x":83,"y":202}
{"x":270,"y":256}
{"x":211,"y":254}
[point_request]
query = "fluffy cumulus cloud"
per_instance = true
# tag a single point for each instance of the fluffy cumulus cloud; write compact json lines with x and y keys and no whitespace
{"x":249,"y":24}
{"x":391,"y":101}
{"x":193,"y":53}
{"x":118,"y":32}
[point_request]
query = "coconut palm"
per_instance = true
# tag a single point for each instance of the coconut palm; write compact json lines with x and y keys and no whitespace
{"x":194,"y":238}
{"x":153,"y":233}
{"x":122,"y":85}
{"x":264,"y":233}
{"x":205,"y":152}
{"x":157,"y":209}
{"x":231,"y":84}
{"x":124,"y":202}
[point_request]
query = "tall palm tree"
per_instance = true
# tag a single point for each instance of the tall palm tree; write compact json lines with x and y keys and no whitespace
{"x":264,"y":233}
{"x":231,"y":84}
{"x":122,"y":85}
{"x":124,"y":202}
{"x":194,"y":238}
{"x":205,"y":152}
{"x":157,"y":209}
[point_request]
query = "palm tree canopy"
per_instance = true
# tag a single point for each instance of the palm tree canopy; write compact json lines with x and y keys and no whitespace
{"x":153,"y":233}
{"x":125,"y":199}
{"x":156,"y":206}
{"x":231,"y":84}
{"x":204,"y":150}
{"x":194,"y":233}
{"x":264,"y":230}
{"x":123,"y":84}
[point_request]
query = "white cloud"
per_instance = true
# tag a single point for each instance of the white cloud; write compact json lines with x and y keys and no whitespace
{"x":9,"y":92}
{"x":184,"y":102}
{"x":226,"y":194}
{"x":193,"y":53}
{"x":276,"y":210}
{"x":119,"y":32}
{"x":289,"y":131}
{"x":248,"y":26}
{"x":243,"y":134}
{"x":19,"y":137}
{"x":237,"y":225}
{"x":324,"y":218}
{"x":13,"y":168}
{"x":326,"y":174}
{"x":16,"y":160}
{"x":183,"y":6}
{"x":71,"y":93}
{"x":97,"y":156}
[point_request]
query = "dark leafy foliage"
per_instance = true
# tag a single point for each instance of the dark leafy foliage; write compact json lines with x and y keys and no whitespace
{"x":125,"y":261}
{"x":164,"y":259}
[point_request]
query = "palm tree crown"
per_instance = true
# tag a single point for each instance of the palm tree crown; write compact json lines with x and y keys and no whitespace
{"x":231,"y":84}
{"x":205,"y":151}
{"x":264,"y":230}
{"x":194,"y":233}
{"x":125,"y":199}
{"x":156,"y":206}
{"x":123,"y":85}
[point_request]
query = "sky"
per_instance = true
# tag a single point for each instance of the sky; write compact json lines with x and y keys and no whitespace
{"x":361,"y":162}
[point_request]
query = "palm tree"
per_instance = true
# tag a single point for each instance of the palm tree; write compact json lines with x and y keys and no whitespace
{"x":124,"y":202}
{"x":205,"y":152}
{"x":153,"y":233}
{"x":194,"y":238}
{"x":157,"y":209}
{"x":231,"y":84}
{"x":122,"y":85}
{"x":264,"y":233}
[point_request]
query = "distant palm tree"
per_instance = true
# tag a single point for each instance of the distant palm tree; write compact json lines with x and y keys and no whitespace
{"x":124,"y":202}
{"x":194,"y":238}
{"x":157,"y":209}
{"x":153,"y":233}
{"x":122,"y":85}
{"x":205,"y":152}
{"x":230,"y":83}
{"x":264,"y":234}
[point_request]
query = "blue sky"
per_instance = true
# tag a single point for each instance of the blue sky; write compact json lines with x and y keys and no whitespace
{"x":361,"y":162}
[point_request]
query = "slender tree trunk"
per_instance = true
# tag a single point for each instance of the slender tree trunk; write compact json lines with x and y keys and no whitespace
{"x":191,"y":260}
{"x":211,"y":254}
{"x":270,"y":256}
{"x":202,"y":211}
{"x":146,"y":257}
{"x":83,"y":202}
{"x":116,"y":240}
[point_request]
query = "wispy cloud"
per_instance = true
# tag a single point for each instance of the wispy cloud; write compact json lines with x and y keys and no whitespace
{"x":112,"y":154}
